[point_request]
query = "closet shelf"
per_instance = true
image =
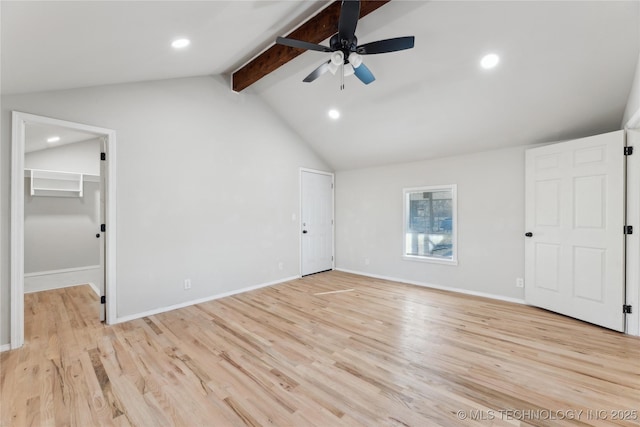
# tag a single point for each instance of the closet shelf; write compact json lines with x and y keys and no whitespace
{"x":58,"y":183}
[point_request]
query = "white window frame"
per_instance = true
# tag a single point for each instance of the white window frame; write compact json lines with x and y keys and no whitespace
{"x":454,"y":223}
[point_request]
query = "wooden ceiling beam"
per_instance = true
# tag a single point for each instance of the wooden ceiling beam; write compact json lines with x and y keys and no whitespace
{"x":315,"y":30}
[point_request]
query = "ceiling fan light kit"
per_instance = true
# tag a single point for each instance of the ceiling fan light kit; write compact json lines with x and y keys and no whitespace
{"x":344,"y":48}
{"x":348,"y":70}
{"x":355,"y":59}
{"x":337,"y":58}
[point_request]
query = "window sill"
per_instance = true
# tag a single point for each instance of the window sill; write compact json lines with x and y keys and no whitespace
{"x":430,"y":260}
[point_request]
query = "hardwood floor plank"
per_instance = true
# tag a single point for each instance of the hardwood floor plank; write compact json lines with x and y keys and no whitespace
{"x":106,"y":401}
{"x":383,"y":354}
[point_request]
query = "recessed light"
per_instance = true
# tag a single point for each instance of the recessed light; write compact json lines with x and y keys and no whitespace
{"x":180,"y":43}
{"x":489,"y":61}
{"x":334,"y":114}
{"x":53,"y":139}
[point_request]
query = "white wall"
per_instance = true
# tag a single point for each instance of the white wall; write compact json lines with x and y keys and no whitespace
{"x":369,"y":209}
{"x":633,"y":104}
{"x":60,"y":232}
{"x":79,"y":157}
{"x":207,"y":186}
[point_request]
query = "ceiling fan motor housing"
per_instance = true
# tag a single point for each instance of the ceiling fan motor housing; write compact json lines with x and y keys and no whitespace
{"x":343,"y":45}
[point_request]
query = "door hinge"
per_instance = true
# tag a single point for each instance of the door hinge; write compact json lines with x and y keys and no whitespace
{"x":332,"y":258}
{"x":332,"y":185}
{"x":626,"y":309}
{"x":103,"y":156}
{"x":628,"y":151}
{"x":628,"y":229}
{"x":103,"y":299}
{"x":103,"y":227}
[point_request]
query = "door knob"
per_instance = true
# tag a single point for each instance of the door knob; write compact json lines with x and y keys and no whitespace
{"x":304,"y":231}
{"x":528,"y":234}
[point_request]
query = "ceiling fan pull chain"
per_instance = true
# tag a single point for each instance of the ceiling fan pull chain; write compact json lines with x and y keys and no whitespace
{"x":342,"y":76}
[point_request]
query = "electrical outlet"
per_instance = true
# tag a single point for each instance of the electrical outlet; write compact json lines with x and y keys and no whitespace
{"x":281,"y":265}
{"x":519,"y":282}
{"x":187,"y":284}
{"x":367,"y":261}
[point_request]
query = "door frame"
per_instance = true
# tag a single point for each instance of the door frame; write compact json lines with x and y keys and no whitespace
{"x":633,"y":240}
{"x":333,"y":214}
{"x":20,"y":121}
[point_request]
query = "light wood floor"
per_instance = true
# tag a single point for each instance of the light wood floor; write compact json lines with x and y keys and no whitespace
{"x":384,"y":354}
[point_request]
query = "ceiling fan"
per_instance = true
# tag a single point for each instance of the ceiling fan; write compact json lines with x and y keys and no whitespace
{"x":344,"y":48}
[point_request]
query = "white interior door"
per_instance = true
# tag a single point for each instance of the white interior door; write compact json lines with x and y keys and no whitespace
{"x":574,"y":258}
{"x":316,"y":222}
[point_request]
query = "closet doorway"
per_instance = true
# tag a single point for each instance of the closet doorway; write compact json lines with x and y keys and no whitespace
{"x":63,"y":212}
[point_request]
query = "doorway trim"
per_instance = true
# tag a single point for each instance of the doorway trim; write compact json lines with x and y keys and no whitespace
{"x":20,"y":121}
{"x":333,"y":214}
{"x":633,"y":240}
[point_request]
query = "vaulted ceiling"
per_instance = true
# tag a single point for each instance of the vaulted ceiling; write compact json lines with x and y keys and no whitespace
{"x":566,"y":68}
{"x":37,"y":135}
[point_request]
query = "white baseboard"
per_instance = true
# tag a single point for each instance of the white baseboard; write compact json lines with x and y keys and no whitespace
{"x":94,"y":288}
{"x":61,"y":271}
{"x":5,"y":347}
{"x":57,"y":279}
{"x":442,"y":288}
{"x":200,"y":300}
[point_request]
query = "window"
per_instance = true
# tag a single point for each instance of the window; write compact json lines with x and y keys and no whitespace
{"x":430,"y":224}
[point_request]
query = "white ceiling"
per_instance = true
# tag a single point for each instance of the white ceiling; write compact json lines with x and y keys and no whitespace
{"x":50,"y":45}
{"x":566,"y":67}
{"x":36,"y":136}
